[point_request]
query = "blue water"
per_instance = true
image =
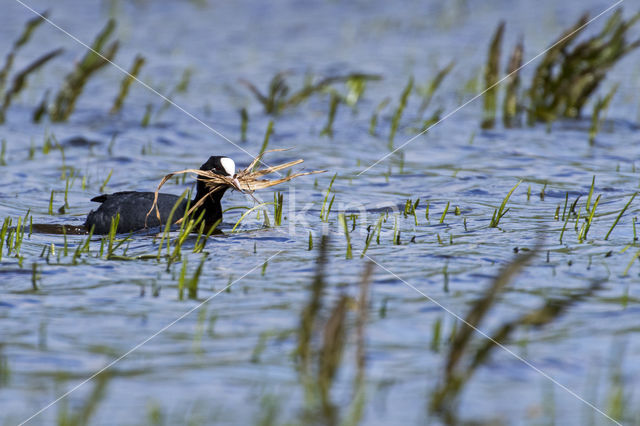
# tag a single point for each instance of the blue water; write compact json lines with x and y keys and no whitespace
{"x":231,"y":359}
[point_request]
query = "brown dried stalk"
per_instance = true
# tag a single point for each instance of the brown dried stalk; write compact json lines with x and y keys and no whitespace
{"x":246,"y":181}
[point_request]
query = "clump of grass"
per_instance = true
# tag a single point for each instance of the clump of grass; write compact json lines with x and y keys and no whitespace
{"x":430,"y":89}
{"x":457,"y":376}
{"x":396,"y":231}
{"x":371,"y":232}
{"x":444,"y":213}
{"x":510,"y":108}
{"x":146,"y":118}
{"x":397,"y":115}
{"x":106,"y":181}
{"x":373,"y":123}
{"x":585,"y":228}
{"x":20,"y":78}
{"x":188,"y":225}
{"x":244,"y":124}
{"x":410,"y":210}
{"x":326,"y":209}
{"x":429,"y":122}
{"x":3,"y":152}
{"x":50,"y":209}
{"x":565,"y":79}
{"x":3,"y":234}
{"x":265,"y":141}
{"x":257,"y":207}
{"x":278,"y":97}
{"x":24,"y":38}
{"x":624,"y":209}
{"x":333,"y":108}
{"x":138,"y":63}
{"x":278,"y":204}
{"x":633,"y":259}
{"x":192,"y":283}
{"x":112,"y":243}
{"x":202,"y":238}
{"x":570,"y":72}
{"x":167,"y":226}
{"x":35,"y":276}
{"x":321,"y":346}
{"x":82,"y":413}
{"x":491,"y":76}
{"x":181,"y":87}
{"x":82,"y":248}
{"x":343,"y":223}
{"x":464,"y":358}
{"x":355,"y":88}
{"x":13,"y":237}
{"x":41,"y":109}
{"x":65,"y":100}
{"x":502,"y":210}
{"x":593,"y":184}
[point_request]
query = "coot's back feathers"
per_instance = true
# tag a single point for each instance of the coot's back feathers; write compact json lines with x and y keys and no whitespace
{"x":132,"y":207}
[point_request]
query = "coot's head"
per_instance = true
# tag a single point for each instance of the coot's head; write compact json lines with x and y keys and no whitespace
{"x":220,"y":165}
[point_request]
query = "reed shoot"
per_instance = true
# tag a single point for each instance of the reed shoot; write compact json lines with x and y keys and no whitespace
{"x":138,"y":63}
{"x":345,"y":228}
{"x":624,"y":209}
{"x":430,"y":89}
{"x":333,"y":107}
{"x":397,"y":115}
{"x":65,"y":100}
{"x":501,"y":211}
{"x":491,"y":77}
{"x":599,"y":108}
{"x":510,"y":108}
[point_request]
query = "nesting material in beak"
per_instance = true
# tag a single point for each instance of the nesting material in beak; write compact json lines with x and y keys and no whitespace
{"x":246,"y":181}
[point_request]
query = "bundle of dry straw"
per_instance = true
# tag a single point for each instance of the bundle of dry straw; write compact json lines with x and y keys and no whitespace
{"x":246,"y":181}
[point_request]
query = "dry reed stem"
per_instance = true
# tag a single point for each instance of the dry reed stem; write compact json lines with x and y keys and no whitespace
{"x":245,"y":181}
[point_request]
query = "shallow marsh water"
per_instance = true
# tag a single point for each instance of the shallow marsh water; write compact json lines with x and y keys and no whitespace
{"x":231,"y":360}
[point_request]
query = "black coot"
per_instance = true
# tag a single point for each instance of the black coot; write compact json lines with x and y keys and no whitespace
{"x":134,"y":206}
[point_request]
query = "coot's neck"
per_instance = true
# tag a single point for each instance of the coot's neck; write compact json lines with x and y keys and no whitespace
{"x":211,"y":205}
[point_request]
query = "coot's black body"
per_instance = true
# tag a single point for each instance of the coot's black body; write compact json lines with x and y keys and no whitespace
{"x":134,"y":206}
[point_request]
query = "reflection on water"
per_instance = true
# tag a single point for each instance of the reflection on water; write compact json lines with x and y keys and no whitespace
{"x":53,"y":228}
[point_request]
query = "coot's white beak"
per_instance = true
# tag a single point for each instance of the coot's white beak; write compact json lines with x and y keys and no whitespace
{"x":237,"y":183}
{"x":229,"y":166}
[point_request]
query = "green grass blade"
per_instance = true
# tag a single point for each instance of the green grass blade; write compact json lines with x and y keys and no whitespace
{"x":624,"y":209}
